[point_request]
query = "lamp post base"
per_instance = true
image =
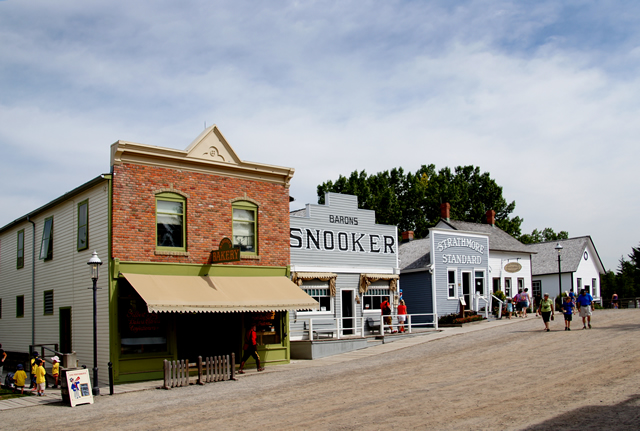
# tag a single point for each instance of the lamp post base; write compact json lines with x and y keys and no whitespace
{"x":96,"y":388}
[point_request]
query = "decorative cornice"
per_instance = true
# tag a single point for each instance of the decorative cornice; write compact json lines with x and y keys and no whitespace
{"x":150,"y":155}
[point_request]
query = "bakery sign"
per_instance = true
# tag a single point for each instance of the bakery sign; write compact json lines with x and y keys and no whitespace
{"x":512,"y":267}
{"x":226,"y":252}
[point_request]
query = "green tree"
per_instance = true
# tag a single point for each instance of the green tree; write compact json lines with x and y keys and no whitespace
{"x":412,"y":200}
{"x":547,"y":234}
{"x":626,"y":280}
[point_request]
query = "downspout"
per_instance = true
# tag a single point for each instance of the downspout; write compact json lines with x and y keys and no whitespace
{"x":33,"y":283}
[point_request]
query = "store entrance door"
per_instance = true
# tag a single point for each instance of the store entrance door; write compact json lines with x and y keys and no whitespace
{"x":208,"y":334}
{"x":347,"y":312}
{"x":466,"y":290}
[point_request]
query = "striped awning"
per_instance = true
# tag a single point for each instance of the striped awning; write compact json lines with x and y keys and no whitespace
{"x":185,"y":294}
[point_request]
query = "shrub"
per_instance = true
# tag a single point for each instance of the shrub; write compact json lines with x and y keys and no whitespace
{"x":467,"y":319}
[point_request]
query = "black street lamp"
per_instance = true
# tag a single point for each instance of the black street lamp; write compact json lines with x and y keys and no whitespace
{"x":559,"y":247}
{"x":95,"y":263}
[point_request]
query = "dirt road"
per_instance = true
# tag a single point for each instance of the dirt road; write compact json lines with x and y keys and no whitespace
{"x":514,"y":376}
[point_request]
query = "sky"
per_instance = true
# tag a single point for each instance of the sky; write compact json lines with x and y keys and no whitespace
{"x":543,"y":95}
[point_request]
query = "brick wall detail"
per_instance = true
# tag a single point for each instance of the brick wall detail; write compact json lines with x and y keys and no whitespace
{"x":208,"y":214}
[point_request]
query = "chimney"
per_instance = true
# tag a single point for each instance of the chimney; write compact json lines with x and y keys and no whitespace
{"x":491,"y":217}
{"x":444,"y":211}
{"x":407,"y":236}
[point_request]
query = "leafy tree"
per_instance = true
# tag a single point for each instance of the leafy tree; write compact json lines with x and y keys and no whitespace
{"x":547,"y":234}
{"x":412,"y":200}
{"x":626,"y":280}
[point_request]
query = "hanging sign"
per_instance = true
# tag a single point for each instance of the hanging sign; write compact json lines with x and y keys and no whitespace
{"x":512,"y":267}
{"x":226,"y":252}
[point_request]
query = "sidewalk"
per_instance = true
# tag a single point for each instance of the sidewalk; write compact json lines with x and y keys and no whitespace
{"x":391,"y":343}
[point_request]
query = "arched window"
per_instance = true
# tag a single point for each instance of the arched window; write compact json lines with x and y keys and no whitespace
{"x":170,"y":222}
{"x":245,"y":227}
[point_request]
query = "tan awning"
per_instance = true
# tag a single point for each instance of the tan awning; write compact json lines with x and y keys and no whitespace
{"x":184,"y":294}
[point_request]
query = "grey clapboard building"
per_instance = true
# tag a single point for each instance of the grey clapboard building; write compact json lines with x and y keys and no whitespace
{"x":441,"y":269}
{"x":348,"y":263}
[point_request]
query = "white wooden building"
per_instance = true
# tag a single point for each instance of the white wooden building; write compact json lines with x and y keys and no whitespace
{"x":580,"y":267}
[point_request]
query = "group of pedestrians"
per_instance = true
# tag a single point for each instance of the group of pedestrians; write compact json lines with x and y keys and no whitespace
{"x":583,"y":303}
{"x":521,"y":300}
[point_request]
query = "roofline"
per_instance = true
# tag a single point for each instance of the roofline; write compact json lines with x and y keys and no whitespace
{"x":604,"y":270}
{"x":89,"y":184}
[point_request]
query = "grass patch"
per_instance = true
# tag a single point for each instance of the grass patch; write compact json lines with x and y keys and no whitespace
{"x":6,"y":394}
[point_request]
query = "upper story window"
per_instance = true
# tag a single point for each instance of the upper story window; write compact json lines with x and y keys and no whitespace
{"x":170,"y":221}
{"x":83,"y":225}
{"x":46,"y":247}
{"x":245,"y":226}
{"x":48,"y":302}
{"x":20,"y":253}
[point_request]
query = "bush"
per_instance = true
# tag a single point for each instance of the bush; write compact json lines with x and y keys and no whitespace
{"x":453,"y":319}
{"x":467,"y":319}
{"x":500,"y":295}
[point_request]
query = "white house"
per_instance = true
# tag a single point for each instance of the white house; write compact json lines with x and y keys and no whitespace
{"x":580,"y":266}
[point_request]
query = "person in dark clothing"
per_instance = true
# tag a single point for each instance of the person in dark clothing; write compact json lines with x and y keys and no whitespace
{"x":250,"y":345}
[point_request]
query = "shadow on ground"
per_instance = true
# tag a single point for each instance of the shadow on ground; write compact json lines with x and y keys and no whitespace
{"x":622,"y":416}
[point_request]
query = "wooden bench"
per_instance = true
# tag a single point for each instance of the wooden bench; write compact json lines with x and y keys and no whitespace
{"x":373,"y":325}
{"x":326,"y":329}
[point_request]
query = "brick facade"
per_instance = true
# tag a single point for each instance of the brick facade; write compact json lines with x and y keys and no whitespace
{"x":208,"y":218}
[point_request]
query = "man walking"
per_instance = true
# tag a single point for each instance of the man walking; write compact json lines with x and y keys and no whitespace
{"x":250,"y":349}
{"x":585,"y":306}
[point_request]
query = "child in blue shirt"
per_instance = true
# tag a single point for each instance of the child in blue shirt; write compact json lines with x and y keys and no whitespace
{"x":567,"y":310}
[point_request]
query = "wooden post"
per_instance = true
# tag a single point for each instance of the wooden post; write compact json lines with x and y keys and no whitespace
{"x":225,"y":367}
{"x":233,"y":366}
{"x":174,"y":372}
{"x":187,"y":378}
{"x":216,"y":367}
{"x":167,"y":371}
{"x":212,"y":369}
{"x":200,"y":382}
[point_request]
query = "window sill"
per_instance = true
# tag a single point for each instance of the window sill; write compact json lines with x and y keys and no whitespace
{"x":315,"y":313}
{"x":249,"y":256}
{"x":171,"y":253}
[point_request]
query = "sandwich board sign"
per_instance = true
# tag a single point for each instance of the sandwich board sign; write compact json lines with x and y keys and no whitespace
{"x":78,"y":387}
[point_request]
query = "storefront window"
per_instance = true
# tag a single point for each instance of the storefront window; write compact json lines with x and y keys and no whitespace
{"x":372,"y":298}
{"x":140,"y":331}
{"x":267,"y":327}
{"x":322,"y":296}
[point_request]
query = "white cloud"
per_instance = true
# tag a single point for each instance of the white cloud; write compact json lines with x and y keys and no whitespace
{"x":333,"y":87}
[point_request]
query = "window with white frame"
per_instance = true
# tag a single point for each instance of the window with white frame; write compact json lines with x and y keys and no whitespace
{"x":479,"y":282}
{"x":520,"y":283}
{"x":507,"y":287}
{"x":594,"y":286}
{"x":372,"y":298}
{"x":245,"y":226}
{"x":451,"y":283}
{"x":579,"y":281}
{"x":318,"y":290}
{"x":320,"y":295}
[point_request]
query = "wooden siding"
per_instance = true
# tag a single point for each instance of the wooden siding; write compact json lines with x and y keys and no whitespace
{"x":67,"y":274}
{"x":319,"y":218}
{"x":417,"y":294}
{"x":444,"y":304}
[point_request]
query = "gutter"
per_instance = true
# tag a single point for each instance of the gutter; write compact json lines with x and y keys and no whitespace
{"x":33,"y":282}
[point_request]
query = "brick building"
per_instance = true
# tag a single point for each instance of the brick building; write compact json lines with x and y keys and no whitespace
{"x":155,"y":220}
